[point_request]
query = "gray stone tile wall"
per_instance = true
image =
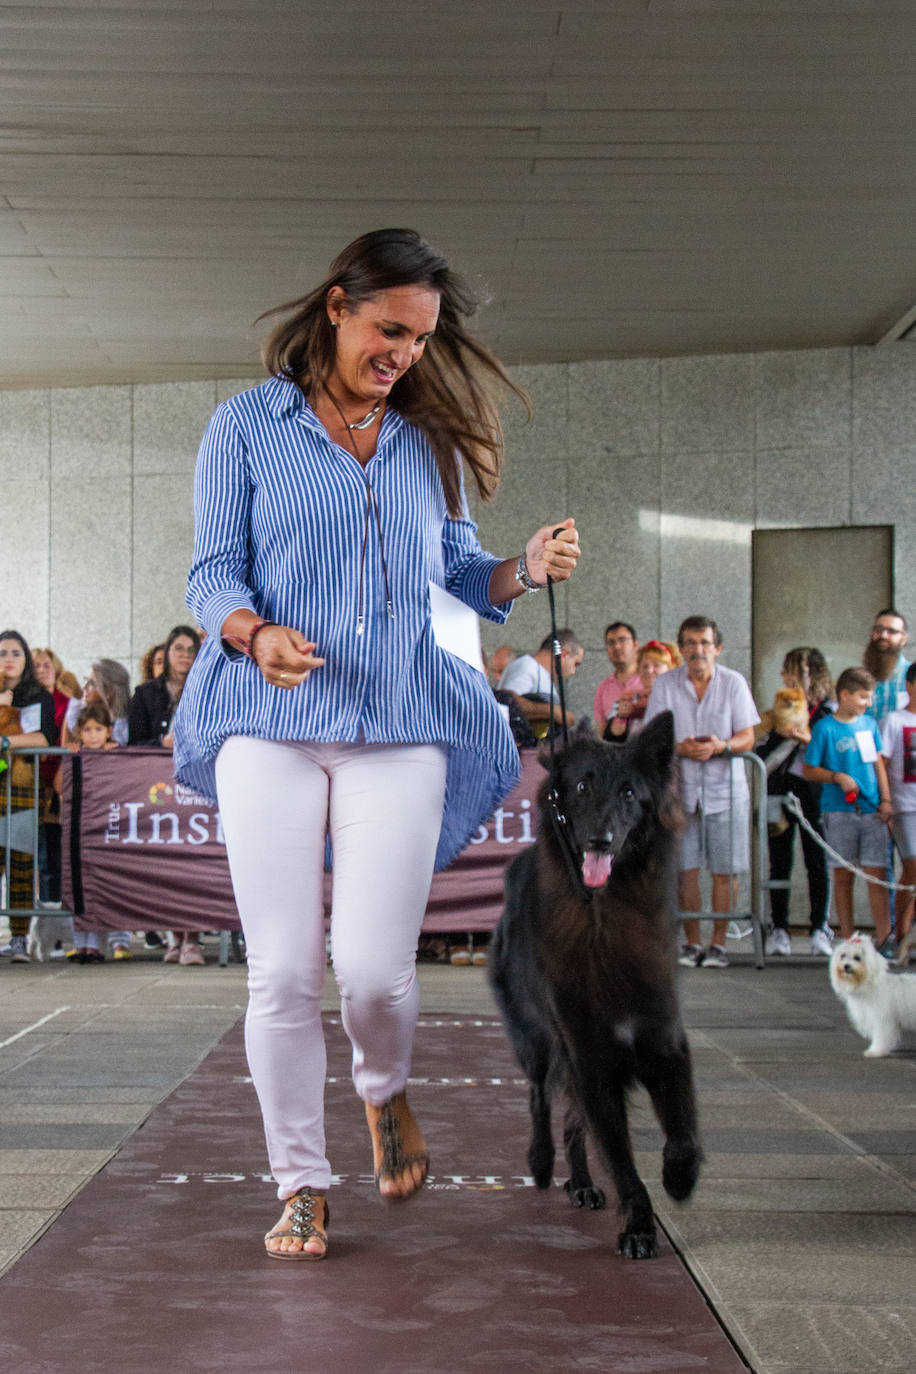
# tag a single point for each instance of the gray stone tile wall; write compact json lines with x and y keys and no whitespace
{"x":668,"y":466}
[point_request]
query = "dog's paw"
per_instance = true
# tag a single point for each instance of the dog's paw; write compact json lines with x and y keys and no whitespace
{"x":877,"y":1052}
{"x":541,"y":1163}
{"x":637,"y":1245}
{"x":589,"y":1196}
{"x":681,"y":1169}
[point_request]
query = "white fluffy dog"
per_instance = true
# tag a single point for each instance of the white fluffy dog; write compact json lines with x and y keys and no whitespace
{"x":45,"y":931}
{"x":881,"y":1005}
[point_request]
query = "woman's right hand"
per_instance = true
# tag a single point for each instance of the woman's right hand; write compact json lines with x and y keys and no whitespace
{"x":284,"y":656}
{"x":6,"y":698}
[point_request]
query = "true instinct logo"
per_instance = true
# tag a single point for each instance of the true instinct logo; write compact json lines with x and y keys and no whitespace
{"x":502,"y":832}
{"x":135,"y":823}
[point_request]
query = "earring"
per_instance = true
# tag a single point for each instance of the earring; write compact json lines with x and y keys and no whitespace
{"x":334,"y":324}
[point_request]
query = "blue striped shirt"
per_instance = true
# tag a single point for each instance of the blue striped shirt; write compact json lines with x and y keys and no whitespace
{"x":279,"y":522}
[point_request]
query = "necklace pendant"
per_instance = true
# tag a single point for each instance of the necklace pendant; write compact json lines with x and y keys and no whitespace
{"x":368,"y":419}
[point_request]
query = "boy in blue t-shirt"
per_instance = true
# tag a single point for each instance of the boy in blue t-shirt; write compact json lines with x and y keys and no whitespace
{"x":845,"y":757}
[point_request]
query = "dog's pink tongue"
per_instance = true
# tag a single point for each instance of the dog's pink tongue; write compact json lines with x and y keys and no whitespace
{"x":596,"y":868}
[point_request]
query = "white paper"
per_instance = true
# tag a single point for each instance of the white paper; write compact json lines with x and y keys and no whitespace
{"x":30,"y":718}
{"x":866,"y":744}
{"x":455,"y":626}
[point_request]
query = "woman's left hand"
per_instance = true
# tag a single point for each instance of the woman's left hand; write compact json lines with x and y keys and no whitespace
{"x":551,"y":557}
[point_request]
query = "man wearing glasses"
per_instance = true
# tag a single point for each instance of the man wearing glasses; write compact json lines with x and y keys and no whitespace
{"x":883,"y":658}
{"x":714,"y":719}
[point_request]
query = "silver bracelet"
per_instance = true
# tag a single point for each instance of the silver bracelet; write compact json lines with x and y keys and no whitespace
{"x":523,"y":577}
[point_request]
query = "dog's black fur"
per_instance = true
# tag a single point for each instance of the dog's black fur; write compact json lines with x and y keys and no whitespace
{"x":585,"y":976}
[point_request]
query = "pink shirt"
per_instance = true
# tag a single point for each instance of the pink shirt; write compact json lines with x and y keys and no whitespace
{"x":610,"y":691}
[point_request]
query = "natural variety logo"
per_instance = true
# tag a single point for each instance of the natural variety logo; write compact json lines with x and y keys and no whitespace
{"x":158,"y":792}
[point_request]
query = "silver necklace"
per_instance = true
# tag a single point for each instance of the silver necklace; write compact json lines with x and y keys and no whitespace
{"x":364,"y":424}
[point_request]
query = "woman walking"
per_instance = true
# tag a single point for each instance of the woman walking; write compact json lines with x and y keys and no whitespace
{"x":329,"y":501}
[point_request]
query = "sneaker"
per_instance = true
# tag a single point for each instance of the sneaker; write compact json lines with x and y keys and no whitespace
{"x":51,"y":906}
{"x":739,"y":930}
{"x":822,"y":942}
{"x":888,"y":948}
{"x":121,"y":952}
{"x":6,"y":951}
{"x":153,"y":940}
{"x":778,"y":942}
{"x":19,"y":953}
{"x":715,"y":957}
{"x":172,"y":954}
{"x":691,"y":956}
{"x":191,"y":953}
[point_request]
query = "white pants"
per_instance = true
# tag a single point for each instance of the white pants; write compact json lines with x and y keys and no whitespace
{"x":382,"y":806}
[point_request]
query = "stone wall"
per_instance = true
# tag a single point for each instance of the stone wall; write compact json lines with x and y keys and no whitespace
{"x":667,"y":464}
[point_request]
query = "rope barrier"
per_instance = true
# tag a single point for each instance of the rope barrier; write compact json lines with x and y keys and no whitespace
{"x":792,"y":805}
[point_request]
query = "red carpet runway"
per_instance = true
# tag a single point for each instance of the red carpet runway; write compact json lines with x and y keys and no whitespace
{"x":158,"y":1264}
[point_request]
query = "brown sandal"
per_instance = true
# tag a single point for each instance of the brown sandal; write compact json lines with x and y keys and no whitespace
{"x":301,"y":1212}
{"x":387,"y":1130}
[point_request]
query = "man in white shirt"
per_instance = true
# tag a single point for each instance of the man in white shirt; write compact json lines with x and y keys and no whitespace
{"x":899,"y":748}
{"x":714,"y":718}
{"x":528,"y":676}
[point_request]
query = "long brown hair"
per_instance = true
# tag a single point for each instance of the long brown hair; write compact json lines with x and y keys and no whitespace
{"x":448,"y":393}
{"x":820,"y":684}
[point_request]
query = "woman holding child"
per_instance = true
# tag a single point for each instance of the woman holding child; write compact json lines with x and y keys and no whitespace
{"x":328,"y":501}
{"x":803,"y":669}
{"x":93,"y":729}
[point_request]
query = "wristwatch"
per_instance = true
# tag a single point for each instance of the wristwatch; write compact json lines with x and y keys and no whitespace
{"x":523,"y":576}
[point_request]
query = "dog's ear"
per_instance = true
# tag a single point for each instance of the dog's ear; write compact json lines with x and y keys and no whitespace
{"x":654,"y":746}
{"x":583,"y":729}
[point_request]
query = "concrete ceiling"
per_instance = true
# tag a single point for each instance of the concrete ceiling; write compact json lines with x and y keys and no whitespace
{"x":622,"y":176}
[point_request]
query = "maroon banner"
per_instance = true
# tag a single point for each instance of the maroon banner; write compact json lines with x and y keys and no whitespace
{"x":142,"y":852}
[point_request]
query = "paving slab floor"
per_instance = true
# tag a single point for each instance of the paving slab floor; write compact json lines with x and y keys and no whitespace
{"x":132,"y":1245}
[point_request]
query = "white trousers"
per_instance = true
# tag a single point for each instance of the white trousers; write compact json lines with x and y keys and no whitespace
{"x":382,"y":806}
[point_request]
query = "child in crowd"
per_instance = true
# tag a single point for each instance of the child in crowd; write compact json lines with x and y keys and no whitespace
{"x":93,"y":731}
{"x":899,"y":748}
{"x":844,"y":755}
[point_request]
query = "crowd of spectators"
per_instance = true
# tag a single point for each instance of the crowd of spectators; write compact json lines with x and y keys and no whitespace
{"x":41,"y":703}
{"x":845,"y":755}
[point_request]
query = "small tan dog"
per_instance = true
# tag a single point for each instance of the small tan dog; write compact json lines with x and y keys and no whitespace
{"x":788,"y":715}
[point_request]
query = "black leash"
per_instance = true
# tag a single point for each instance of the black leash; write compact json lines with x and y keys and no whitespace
{"x":572,"y":856}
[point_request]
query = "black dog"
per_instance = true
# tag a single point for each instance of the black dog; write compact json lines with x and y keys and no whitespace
{"x":583,"y":967}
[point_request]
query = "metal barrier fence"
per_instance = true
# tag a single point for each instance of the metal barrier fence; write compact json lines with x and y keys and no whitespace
{"x":19,"y":831}
{"x":759,"y":882}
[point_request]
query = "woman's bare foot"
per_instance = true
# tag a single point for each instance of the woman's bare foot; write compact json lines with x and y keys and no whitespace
{"x":301,"y":1232}
{"x":400,"y":1158}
